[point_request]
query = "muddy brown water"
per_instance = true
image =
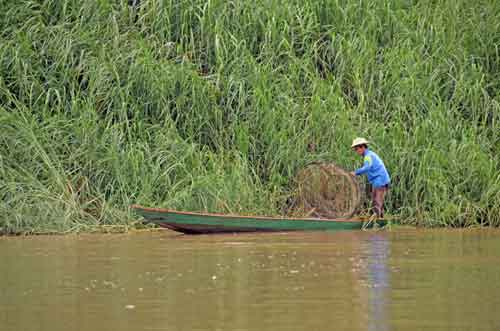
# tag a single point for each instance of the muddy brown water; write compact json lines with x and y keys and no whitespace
{"x":385,"y":280}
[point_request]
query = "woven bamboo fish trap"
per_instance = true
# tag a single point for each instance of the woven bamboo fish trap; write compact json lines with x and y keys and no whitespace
{"x":325,"y":190}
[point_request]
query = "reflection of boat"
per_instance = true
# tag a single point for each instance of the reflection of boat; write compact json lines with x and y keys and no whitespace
{"x":192,"y":223}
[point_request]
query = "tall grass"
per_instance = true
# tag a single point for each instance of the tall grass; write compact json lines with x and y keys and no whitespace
{"x":209,"y":105}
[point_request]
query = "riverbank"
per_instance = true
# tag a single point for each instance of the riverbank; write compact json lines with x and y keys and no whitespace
{"x":142,"y":227}
{"x":210,"y":106}
{"x":105,"y":229}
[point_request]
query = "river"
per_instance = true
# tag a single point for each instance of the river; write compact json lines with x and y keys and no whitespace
{"x":353,"y":280}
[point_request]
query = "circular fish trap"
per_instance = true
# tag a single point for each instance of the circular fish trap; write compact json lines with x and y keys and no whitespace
{"x":327,"y":191}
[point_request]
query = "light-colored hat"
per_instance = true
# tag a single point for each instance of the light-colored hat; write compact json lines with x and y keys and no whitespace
{"x":359,"y":141}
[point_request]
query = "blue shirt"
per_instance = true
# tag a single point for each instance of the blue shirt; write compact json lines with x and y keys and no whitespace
{"x":374,"y":169}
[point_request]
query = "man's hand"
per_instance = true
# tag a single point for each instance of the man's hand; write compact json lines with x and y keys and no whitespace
{"x":353,"y":174}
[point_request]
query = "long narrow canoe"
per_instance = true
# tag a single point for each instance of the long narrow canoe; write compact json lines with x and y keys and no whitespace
{"x":197,"y":223}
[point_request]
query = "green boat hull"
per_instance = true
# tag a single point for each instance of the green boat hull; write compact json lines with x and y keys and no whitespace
{"x":198,"y":223}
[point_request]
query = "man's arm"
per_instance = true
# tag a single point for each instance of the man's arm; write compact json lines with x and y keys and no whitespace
{"x":366,"y":166}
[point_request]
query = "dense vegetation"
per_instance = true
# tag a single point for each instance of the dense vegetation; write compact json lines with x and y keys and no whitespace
{"x":210,"y":105}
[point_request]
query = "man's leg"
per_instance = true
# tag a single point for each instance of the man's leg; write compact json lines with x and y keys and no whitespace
{"x":368,"y":194}
{"x":378,"y":194}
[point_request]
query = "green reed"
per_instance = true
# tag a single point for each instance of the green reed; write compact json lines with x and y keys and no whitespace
{"x":210,"y":105}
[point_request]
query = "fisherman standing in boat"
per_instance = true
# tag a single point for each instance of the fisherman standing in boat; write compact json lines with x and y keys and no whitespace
{"x":376,"y":172}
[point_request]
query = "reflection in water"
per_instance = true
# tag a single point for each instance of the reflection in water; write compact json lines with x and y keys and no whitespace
{"x":293,"y":281}
{"x":379,"y":282}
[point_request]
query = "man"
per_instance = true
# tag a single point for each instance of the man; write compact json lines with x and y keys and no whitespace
{"x":376,"y":172}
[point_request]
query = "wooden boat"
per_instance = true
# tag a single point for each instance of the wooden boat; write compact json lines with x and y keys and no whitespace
{"x":197,"y":223}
